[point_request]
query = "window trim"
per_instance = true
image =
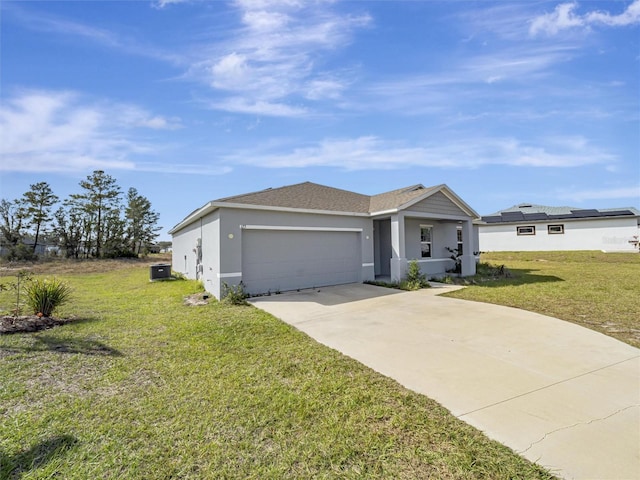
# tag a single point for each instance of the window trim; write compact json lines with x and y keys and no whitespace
{"x":460,"y":240}
{"x":560,"y":228}
{"x":430,"y":242}
{"x":520,"y":230}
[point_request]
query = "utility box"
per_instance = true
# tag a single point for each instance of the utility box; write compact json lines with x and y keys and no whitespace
{"x":160,"y":271}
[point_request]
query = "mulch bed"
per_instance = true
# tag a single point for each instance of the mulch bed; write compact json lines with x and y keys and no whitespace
{"x":28,"y":323}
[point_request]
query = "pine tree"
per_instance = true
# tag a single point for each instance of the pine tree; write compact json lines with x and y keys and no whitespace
{"x":38,"y":202}
{"x":101,"y":196}
{"x":141,"y":221}
{"x":12,"y":219}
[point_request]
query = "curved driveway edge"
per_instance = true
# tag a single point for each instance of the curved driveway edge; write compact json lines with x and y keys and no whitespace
{"x":563,"y":396}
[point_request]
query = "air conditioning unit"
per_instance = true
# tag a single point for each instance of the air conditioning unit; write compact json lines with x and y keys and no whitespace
{"x":160,"y":271}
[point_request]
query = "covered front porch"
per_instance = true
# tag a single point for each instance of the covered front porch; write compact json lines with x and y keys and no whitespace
{"x":406,"y":236}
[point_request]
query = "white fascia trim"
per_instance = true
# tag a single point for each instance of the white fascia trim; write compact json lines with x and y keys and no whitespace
{"x":229,"y":275}
{"x":289,"y":209}
{"x":368,"y":265}
{"x":304,"y":229}
{"x":384,"y":212}
{"x":192,"y":217}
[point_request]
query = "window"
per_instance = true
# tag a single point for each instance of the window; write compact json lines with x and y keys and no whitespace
{"x":555,"y":229}
{"x":529,"y":230}
{"x":425,"y":240}
{"x":459,"y":234}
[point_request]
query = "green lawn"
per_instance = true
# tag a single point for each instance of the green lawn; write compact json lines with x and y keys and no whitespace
{"x":598,"y":290}
{"x":141,"y":386}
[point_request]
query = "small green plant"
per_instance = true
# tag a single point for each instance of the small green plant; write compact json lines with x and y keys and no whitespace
{"x":486,"y":270}
{"x":456,"y":256}
{"x":234,"y":294}
{"x":415,"y":278}
{"x":44,"y":296}
{"x":177,"y":275}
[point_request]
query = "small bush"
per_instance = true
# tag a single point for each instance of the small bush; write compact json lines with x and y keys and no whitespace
{"x":234,"y":294}
{"x":44,"y":296}
{"x":484,"y":269}
{"x":415,"y":278}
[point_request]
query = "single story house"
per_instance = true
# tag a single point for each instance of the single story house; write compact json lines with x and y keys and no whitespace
{"x":528,"y":227}
{"x":309,"y":235}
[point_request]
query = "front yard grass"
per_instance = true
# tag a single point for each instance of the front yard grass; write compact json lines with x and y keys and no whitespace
{"x":597,"y":290}
{"x":142,"y":386}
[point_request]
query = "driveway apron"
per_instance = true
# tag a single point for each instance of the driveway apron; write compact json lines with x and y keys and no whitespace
{"x":563,"y":396}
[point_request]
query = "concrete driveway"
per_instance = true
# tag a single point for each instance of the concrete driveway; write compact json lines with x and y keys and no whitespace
{"x":563,"y":396}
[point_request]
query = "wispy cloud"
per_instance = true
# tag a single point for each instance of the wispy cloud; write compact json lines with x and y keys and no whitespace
{"x":63,"y":131}
{"x":373,"y":153}
{"x":164,"y":3}
{"x":613,"y":193}
{"x":45,"y":22}
{"x":269,"y":64}
{"x":481,"y":78}
{"x":565,"y":17}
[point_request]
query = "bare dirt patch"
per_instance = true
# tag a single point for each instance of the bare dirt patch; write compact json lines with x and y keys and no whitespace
{"x":197,"y":299}
{"x":28,"y":323}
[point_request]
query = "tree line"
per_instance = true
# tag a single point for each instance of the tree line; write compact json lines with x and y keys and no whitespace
{"x":97,"y":222}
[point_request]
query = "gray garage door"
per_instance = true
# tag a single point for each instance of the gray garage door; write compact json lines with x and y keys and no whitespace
{"x":275,"y":260}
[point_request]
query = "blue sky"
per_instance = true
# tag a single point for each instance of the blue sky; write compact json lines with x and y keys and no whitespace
{"x":188,"y":101}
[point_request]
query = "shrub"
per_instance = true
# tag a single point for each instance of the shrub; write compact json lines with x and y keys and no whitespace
{"x":44,"y":296}
{"x":415,"y":278}
{"x":234,"y":294}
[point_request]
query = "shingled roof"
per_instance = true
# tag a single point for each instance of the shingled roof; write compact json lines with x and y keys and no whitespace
{"x":311,"y":196}
{"x":307,"y":195}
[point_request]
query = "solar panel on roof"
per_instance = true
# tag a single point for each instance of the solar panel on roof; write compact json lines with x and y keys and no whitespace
{"x":492,"y":219}
{"x":536,"y":216}
{"x":585,"y":213}
{"x":512,"y":216}
{"x":617,"y":213}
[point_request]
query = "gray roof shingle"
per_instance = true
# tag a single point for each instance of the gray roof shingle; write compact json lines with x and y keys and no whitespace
{"x":312,"y":196}
{"x":307,"y":195}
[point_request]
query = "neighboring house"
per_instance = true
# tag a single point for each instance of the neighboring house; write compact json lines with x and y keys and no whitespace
{"x":309,"y":235}
{"x":527,"y":227}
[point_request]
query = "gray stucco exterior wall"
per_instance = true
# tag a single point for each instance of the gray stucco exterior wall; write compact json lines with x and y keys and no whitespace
{"x":222,"y":231}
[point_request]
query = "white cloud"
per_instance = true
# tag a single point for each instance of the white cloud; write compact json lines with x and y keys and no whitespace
{"x":258,"y":107}
{"x":466,"y":80}
{"x":63,"y":131}
{"x":44,"y":22}
{"x":373,"y":153}
{"x":272,"y":58}
{"x":565,"y":17}
{"x":163,"y":3}
{"x":613,"y":193}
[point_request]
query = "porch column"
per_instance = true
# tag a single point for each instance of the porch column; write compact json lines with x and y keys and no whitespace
{"x":398,"y":258}
{"x":468,"y":259}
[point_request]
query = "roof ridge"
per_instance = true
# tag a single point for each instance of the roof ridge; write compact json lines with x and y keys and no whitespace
{"x":224,"y":199}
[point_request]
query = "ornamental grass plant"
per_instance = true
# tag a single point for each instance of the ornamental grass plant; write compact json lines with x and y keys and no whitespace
{"x":45,"y":295}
